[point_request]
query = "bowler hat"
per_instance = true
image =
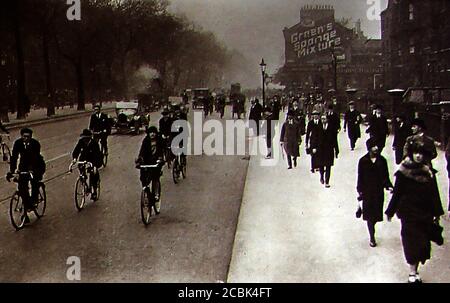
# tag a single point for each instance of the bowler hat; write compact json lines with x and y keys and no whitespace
{"x":86,"y":133}
{"x":419,"y":122}
{"x":371,"y":143}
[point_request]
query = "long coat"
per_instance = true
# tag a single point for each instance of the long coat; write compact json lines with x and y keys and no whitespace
{"x":334,"y":121}
{"x":256,"y":112}
{"x":352,"y":120}
{"x":415,"y":203}
{"x":328,"y":147}
{"x":401,"y":133}
{"x":378,"y":129}
{"x":300,"y":118}
{"x":291,"y":138}
{"x":313,"y":138}
{"x":373,"y":178}
{"x":88,"y":152}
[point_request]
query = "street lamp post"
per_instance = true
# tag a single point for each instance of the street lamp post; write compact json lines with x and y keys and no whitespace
{"x":263,"y":72}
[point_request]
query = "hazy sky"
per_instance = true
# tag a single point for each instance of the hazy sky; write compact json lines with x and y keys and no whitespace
{"x":254,"y":27}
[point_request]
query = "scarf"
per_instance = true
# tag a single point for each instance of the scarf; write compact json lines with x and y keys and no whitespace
{"x":418,"y":172}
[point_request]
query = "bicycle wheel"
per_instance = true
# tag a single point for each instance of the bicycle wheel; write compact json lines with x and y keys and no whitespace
{"x":17,"y":211}
{"x":176,"y":171}
{"x":167,"y":156}
{"x":146,"y":210}
{"x":183,"y":167}
{"x":157,"y":204}
{"x":42,"y":202}
{"x":80,"y":194}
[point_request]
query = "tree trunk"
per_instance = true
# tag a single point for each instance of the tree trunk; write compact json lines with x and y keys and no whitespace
{"x":48,"y":80}
{"x":124,"y":78}
{"x":80,"y":85}
{"x":21,"y":108}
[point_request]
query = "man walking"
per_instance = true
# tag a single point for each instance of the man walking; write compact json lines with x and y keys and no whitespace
{"x":378,"y":129}
{"x":313,"y":132}
{"x":401,"y":132}
{"x":291,"y":139}
{"x":418,"y":137}
{"x":269,"y":127}
{"x":352,"y":121}
{"x":255,"y":114}
{"x":327,"y":150}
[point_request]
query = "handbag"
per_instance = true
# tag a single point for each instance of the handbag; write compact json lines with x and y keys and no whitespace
{"x":436,"y":233}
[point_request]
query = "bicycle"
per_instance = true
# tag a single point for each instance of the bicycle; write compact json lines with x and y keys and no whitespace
{"x":83,"y":187}
{"x":150,"y":205}
{"x":103,"y":149}
{"x":17,"y":208}
{"x":179,"y":168}
{"x":5,"y":150}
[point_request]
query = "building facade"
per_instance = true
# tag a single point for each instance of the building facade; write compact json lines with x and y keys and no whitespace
{"x":416,"y":43}
{"x":322,"y":53}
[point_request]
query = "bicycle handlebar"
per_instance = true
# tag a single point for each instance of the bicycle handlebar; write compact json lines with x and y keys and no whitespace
{"x":86,"y":163}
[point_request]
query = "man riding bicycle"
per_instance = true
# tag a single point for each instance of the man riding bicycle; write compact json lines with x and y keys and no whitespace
{"x":151,"y":153}
{"x":88,"y":150}
{"x":29,"y":150}
{"x":99,"y":124}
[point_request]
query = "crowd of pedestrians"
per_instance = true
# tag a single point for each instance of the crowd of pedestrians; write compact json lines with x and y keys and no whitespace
{"x":415,"y":195}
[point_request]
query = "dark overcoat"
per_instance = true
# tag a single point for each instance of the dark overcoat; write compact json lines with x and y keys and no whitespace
{"x":313,"y":139}
{"x":291,"y":138}
{"x":401,"y":133}
{"x":352,"y":120}
{"x":373,"y":178}
{"x":328,"y":147}
{"x":416,"y":204}
{"x":378,"y":129}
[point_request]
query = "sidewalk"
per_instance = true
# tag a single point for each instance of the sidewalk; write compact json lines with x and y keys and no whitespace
{"x":293,"y":230}
{"x":39,"y":116}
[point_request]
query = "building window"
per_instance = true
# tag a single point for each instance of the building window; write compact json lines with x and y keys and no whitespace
{"x":411,"y":12}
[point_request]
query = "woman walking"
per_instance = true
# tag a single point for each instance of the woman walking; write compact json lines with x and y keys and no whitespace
{"x":373,"y":178}
{"x":417,"y":203}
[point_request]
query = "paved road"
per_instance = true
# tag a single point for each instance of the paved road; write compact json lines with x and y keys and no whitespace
{"x":191,"y":241}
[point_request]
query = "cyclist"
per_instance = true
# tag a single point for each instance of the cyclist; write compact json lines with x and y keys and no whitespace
{"x":151,"y":153}
{"x":29,"y":150}
{"x":88,"y":150}
{"x":99,"y":123}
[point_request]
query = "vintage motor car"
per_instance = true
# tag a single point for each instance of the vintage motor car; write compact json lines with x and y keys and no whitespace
{"x":128,"y":118}
{"x":199,"y":95}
